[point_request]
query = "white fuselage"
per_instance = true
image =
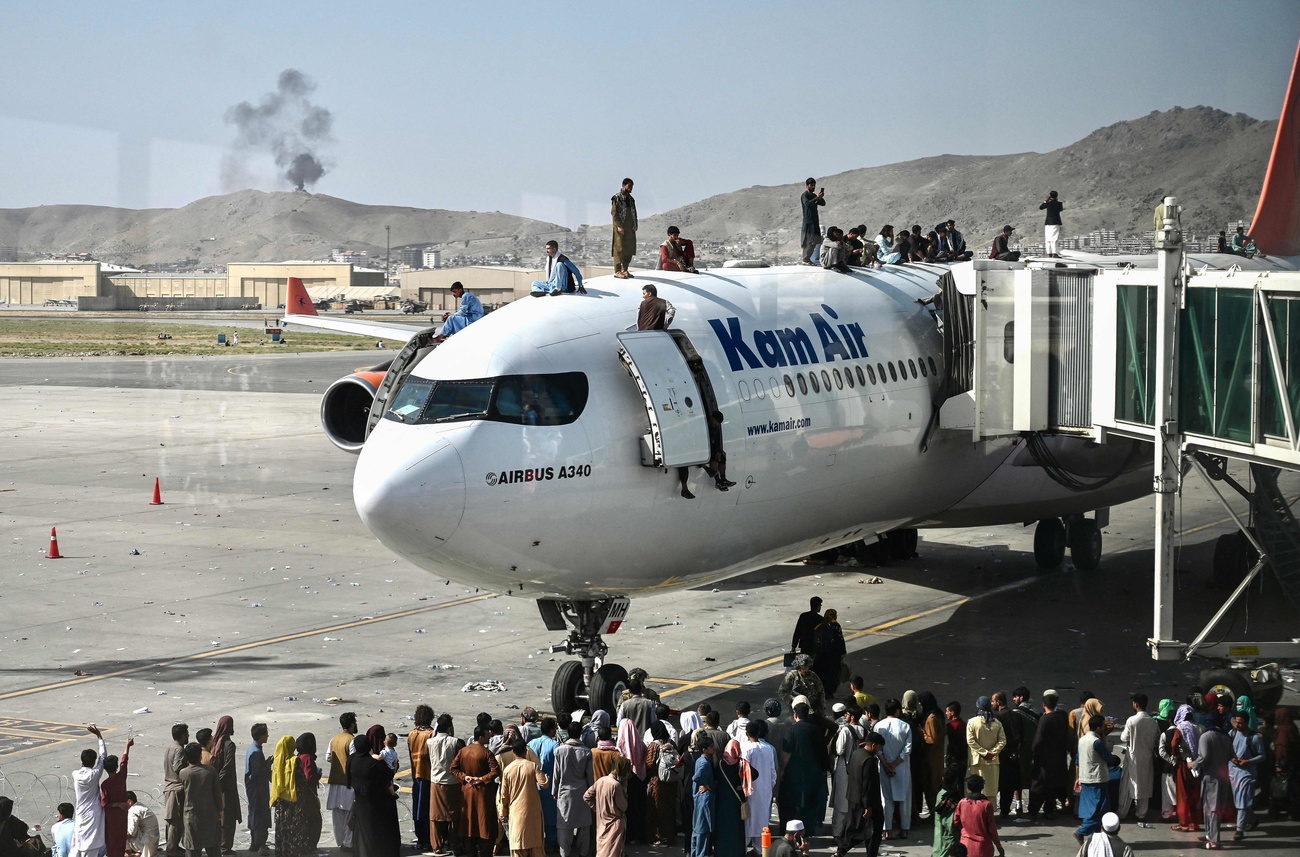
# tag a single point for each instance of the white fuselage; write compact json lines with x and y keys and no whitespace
{"x":570,"y":511}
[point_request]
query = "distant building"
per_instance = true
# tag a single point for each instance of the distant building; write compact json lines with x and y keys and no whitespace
{"x":412,"y":257}
{"x":433,"y":258}
{"x":350,"y":257}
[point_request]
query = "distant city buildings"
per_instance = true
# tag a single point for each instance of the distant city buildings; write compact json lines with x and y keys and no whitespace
{"x":350,"y":257}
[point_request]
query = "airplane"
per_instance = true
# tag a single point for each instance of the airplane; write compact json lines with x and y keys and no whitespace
{"x":538,"y":452}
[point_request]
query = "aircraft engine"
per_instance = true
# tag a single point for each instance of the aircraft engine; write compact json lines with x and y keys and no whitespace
{"x":345,"y":408}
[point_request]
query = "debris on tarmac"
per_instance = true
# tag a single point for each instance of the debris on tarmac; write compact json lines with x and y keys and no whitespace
{"x":144,"y":710}
{"x":489,"y":686}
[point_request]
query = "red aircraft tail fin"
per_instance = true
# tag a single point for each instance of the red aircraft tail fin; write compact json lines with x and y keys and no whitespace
{"x":298,"y":301}
{"x":1276,"y":226}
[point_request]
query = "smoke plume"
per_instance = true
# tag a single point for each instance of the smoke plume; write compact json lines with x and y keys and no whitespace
{"x":285,"y":124}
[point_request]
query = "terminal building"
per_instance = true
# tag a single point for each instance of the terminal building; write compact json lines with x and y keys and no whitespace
{"x":104,"y":287}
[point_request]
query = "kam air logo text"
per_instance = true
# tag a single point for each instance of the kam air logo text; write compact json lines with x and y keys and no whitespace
{"x":790,"y":346}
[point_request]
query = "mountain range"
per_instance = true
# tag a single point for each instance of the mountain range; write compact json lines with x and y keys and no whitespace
{"x":1213,"y":161}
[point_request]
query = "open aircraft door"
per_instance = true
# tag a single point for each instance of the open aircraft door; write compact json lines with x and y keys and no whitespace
{"x":679,"y":430}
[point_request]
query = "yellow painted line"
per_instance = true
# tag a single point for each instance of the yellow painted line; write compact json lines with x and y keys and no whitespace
{"x":852,"y":635}
{"x":723,"y":685}
{"x":216,"y":653}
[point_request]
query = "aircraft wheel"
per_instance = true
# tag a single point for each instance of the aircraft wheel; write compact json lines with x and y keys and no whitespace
{"x":1233,"y":557}
{"x":902,"y":543}
{"x":1085,"y":544}
{"x":1049,"y":543}
{"x":607,"y":684}
{"x":1268,"y":698}
{"x":566,"y":689}
{"x":1219,"y":680}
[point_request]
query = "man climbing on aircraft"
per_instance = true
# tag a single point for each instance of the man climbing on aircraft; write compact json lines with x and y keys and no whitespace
{"x":470,"y":311}
{"x":622,"y":208}
{"x":561,"y":274}
{"x":1244,"y":245}
{"x":653,"y":313}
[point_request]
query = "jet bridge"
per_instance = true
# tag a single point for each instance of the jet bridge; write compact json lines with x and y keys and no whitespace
{"x":1202,"y":364}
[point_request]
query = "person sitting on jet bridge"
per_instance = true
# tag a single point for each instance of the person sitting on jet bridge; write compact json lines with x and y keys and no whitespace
{"x":470,"y":311}
{"x":1244,"y":245}
{"x":561,"y":274}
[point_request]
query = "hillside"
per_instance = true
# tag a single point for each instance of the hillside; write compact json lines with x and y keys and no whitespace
{"x":1112,"y":179}
{"x":255,"y":226}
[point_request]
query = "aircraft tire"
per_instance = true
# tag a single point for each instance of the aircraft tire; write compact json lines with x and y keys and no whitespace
{"x":567,"y":689}
{"x":1235,"y":682}
{"x":1085,"y":544}
{"x":1268,"y":698}
{"x":606,"y":685}
{"x":1233,"y":557}
{"x":902,"y":544}
{"x":1049,"y":543}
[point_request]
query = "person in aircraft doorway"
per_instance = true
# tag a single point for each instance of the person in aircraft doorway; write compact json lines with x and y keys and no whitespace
{"x":717,"y":466}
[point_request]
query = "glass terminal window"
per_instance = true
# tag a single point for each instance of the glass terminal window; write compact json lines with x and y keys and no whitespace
{"x":546,"y":400}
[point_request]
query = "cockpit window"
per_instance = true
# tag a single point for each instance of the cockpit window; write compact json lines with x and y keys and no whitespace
{"x":545,"y":400}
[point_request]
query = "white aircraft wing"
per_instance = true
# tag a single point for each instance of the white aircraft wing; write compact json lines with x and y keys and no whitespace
{"x":393,"y":332}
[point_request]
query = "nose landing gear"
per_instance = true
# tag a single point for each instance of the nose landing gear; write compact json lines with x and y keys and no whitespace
{"x":588,"y":683}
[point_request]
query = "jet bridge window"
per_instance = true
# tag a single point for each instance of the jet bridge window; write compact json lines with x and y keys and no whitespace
{"x":522,"y":399}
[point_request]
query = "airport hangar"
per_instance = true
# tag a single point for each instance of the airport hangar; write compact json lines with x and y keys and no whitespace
{"x":97,"y":286}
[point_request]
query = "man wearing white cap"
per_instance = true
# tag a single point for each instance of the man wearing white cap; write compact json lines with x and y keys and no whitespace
{"x":792,"y":844}
{"x":1106,"y":842}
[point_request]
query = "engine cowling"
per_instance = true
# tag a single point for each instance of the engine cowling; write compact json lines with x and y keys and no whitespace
{"x":345,"y":408}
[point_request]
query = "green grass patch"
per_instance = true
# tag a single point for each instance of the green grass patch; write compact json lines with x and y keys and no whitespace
{"x":91,"y":338}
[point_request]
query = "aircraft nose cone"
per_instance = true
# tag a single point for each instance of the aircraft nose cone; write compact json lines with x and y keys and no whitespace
{"x":409,"y":493}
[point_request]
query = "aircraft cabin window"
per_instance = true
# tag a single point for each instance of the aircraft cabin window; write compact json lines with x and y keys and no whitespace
{"x":803,"y":385}
{"x":933,"y":370}
{"x":744,"y":390}
{"x":893,"y":376}
{"x":902,"y":370}
{"x":911,"y":365}
{"x":880,"y":369}
{"x":775,"y":386}
{"x":789,"y":386}
{"x":871,"y":373}
{"x":812,"y":381}
{"x":758,"y":389}
{"x":848,"y":377}
{"x":826,"y":380}
{"x":522,"y":399}
{"x":924,"y":373}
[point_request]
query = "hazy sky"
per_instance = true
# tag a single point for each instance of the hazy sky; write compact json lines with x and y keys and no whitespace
{"x":540,"y":108}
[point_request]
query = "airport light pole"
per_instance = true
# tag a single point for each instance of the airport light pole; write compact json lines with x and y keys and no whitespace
{"x":388,"y":249}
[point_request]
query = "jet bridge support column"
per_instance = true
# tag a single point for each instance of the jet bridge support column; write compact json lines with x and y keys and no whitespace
{"x":1169,"y":246}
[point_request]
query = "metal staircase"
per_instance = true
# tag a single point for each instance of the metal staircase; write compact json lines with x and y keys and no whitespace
{"x":1277,"y":529}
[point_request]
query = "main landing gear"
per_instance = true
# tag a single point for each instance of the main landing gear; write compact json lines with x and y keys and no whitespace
{"x":1082,"y":535}
{"x":587,"y":683}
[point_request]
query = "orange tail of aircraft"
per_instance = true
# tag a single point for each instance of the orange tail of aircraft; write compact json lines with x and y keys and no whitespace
{"x":298,"y":301}
{"x":1276,"y":226}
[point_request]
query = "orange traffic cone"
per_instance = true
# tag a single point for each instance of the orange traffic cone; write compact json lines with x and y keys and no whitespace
{"x":54,"y":545}
{"x":157,"y":493}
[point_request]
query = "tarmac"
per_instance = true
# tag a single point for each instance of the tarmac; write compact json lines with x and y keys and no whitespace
{"x":254,"y":590}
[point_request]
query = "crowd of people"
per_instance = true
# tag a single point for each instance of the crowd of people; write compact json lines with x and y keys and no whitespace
{"x":581,"y":785}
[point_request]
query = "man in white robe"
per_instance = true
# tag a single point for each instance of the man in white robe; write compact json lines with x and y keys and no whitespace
{"x":762,"y":761}
{"x":1142,"y":736}
{"x":561,"y":274}
{"x":896,"y":767}
{"x":88,"y":813}
{"x":847,"y":737}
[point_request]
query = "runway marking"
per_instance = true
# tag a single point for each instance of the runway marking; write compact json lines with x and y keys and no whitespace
{"x":254,"y":644}
{"x":20,"y":734}
{"x":703,"y":683}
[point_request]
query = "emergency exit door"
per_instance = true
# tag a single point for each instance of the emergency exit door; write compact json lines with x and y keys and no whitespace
{"x":679,"y":430}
